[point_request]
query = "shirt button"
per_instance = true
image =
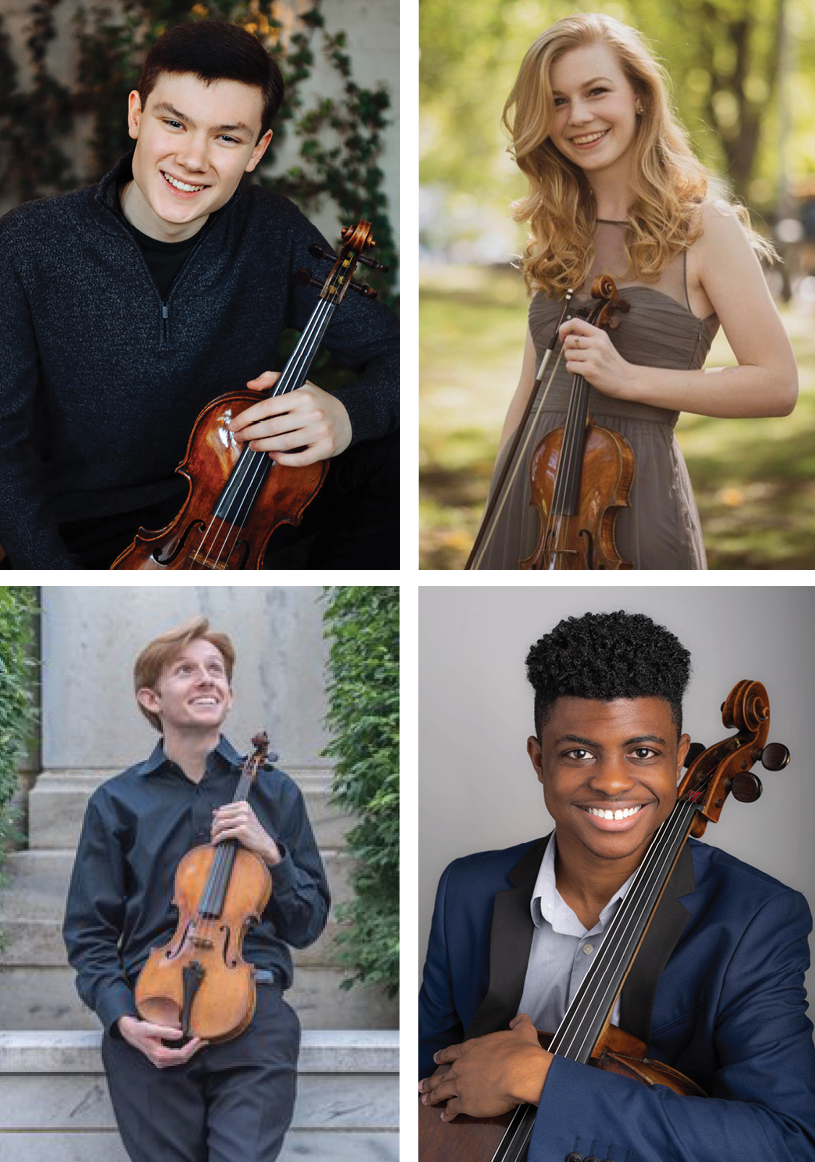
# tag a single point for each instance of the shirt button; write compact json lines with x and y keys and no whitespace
{"x":588,"y":949}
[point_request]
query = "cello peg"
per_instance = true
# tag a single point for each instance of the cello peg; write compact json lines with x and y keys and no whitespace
{"x":694,"y":750}
{"x":775,"y":756}
{"x":746,"y":787}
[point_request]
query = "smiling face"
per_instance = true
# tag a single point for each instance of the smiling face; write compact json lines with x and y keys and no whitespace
{"x":194,"y":142}
{"x":192,"y":695}
{"x":595,"y":108}
{"x":609,"y":772}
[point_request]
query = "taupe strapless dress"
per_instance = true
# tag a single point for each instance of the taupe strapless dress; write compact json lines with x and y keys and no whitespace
{"x":661,"y":529}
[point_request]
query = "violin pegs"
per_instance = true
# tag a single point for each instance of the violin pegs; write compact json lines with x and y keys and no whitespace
{"x":775,"y":756}
{"x":304,"y":277}
{"x":317,"y":251}
{"x":360,"y":288}
{"x":370,"y":262}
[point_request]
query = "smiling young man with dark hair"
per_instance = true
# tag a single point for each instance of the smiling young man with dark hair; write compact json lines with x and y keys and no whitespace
{"x":132,"y":304}
{"x":716,"y":990}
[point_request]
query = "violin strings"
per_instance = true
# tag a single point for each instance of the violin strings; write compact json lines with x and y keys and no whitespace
{"x":239,"y":487}
{"x":311,"y":338}
{"x":299,"y":370}
{"x":555,"y":525}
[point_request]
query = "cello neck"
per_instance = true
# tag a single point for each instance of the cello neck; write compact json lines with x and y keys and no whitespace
{"x":586,"y":1016}
{"x":591,"y":1007}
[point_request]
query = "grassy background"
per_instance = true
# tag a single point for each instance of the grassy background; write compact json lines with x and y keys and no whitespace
{"x":754,"y":479}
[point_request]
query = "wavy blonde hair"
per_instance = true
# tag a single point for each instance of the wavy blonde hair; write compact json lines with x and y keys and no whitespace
{"x":669,"y":182}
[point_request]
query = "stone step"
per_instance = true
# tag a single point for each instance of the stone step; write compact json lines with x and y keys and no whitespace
{"x":54,"y":1105}
{"x":46,"y":998}
{"x":56,"y":807}
{"x":32,"y":907}
{"x":299,"y":1146}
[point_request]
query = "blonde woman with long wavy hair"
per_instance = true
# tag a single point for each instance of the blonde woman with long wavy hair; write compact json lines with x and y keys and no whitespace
{"x":614,"y":188}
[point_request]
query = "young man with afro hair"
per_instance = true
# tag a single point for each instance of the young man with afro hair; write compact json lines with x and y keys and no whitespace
{"x":132,"y":304}
{"x":716,"y":990}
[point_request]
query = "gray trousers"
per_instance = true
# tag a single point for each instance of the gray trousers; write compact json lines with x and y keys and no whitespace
{"x":229,"y":1102}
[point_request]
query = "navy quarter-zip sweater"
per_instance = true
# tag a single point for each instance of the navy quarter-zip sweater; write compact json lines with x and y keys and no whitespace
{"x":103,"y":380}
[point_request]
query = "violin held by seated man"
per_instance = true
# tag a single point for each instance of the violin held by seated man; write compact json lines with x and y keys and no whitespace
{"x":619,"y":990}
{"x":132,"y":305}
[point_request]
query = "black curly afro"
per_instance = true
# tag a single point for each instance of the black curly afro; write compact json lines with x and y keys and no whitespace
{"x":605,"y":656}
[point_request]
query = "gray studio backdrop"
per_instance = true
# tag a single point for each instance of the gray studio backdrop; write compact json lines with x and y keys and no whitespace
{"x":477,"y":789}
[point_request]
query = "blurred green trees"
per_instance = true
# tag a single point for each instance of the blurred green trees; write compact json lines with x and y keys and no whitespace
{"x":741,"y":70}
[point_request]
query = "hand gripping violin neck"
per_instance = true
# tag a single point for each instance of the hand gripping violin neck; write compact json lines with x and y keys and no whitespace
{"x":200,"y":980}
{"x":238,"y":497}
{"x":585,"y":1033}
{"x":581,"y":474}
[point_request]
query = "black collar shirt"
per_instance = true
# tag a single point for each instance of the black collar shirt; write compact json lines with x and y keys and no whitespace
{"x":137,"y":827}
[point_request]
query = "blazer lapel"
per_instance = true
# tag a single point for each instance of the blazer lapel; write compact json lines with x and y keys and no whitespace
{"x":640,"y":986}
{"x":510,"y":942}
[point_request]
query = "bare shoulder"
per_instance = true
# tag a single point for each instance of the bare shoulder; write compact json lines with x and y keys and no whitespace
{"x":721,"y":228}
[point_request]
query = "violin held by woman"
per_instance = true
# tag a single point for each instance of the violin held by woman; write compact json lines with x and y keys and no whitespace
{"x":615,"y":189}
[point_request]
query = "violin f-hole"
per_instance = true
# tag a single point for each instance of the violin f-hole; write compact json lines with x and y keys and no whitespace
{"x":168,"y":560}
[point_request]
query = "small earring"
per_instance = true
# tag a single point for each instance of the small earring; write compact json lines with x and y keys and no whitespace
{"x":638,"y":109}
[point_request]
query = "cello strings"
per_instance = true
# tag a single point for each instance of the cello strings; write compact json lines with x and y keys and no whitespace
{"x":298,"y":364}
{"x":517,"y":1136}
{"x":568,"y":1040}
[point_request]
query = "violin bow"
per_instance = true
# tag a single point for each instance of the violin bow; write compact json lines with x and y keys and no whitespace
{"x":523,"y":432}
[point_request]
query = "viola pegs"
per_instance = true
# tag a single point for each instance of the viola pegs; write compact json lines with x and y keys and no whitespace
{"x":775,"y":756}
{"x":304,"y":277}
{"x":746,"y":787}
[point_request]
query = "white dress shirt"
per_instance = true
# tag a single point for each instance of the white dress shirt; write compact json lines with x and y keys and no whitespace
{"x":562,"y":950}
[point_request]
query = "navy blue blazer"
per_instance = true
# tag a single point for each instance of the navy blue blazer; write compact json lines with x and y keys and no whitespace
{"x":716,"y":991}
